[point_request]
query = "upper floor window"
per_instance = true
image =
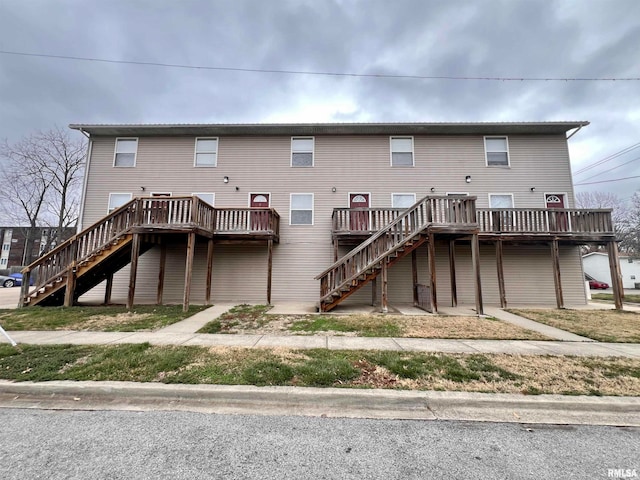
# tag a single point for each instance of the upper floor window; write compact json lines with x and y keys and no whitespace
{"x":206,"y":152}
{"x":301,"y":212}
{"x":496,"y":151}
{"x":117,"y":200}
{"x":402,"y":200}
{"x":302,"y":151}
{"x":126,"y":150}
{"x":402,"y":152}
{"x":500,"y":200}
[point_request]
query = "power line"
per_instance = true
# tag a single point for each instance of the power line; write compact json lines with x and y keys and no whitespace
{"x":606,"y":181}
{"x":608,"y":158}
{"x":611,"y":169}
{"x":330,"y":74}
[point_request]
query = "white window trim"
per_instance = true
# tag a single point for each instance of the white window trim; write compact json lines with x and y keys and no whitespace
{"x":486,"y":158}
{"x":313,"y":209}
{"x":160,"y":194}
{"x":115,"y":152}
{"x":457,"y":193}
{"x":196,"y":194}
{"x":400,"y":193}
{"x":258,"y":193}
{"x":195,"y":152}
{"x":513,"y":203}
{"x":313,"y":152}
{"x":357,"y":193}
{"x":109,"y":210}
{"x":413,"y":154}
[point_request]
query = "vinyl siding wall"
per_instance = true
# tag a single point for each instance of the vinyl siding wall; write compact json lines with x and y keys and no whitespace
{"x":350,"y":164}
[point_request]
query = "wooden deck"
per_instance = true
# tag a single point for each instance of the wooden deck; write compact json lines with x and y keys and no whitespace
{"x":131,"y":229}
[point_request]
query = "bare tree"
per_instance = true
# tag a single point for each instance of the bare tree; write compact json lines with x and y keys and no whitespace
{"x":42,"y":172}
{"x":603,"y":200}
{"x":629,"y":228}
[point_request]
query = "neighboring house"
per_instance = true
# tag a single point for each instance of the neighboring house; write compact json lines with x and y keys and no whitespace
{"x":596,"y":265}
{"x":429,"y":213}
{"x":14,"y":251}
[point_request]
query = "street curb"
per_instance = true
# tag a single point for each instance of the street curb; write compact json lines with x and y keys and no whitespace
{"x":324,"y":402}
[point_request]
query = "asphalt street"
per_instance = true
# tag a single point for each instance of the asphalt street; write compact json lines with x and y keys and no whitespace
{"x":41,"y":444}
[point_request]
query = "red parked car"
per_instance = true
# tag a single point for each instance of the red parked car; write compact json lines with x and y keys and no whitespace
{"x":596,"y":285}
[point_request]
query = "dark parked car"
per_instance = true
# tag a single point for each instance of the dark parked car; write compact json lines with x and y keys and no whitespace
{"x":13,"y":280}
{"x":596,"y":285}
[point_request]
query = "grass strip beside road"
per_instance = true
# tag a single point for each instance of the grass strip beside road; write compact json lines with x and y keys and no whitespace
{"x":255,"y":319}
{"x":323,"y":368}
{"x":600,"y":325}
{"x":99,"y":318}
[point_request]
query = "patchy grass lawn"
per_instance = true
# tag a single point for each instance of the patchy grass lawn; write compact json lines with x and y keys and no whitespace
{"x":248,"y":319}
{"x":628,"y":298}
{"x":324,"y":368}
{"x":105,"y":319}
{"x":601,"y":325}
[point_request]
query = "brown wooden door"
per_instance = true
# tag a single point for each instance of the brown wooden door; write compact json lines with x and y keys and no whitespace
{"x":359,"y":220}
{"x":259,"y":220}
{"x":558,"y":221}
{"x":159,"y":211}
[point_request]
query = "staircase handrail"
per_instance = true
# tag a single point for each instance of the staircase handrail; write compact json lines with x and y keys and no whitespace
{"x":407,"y":225}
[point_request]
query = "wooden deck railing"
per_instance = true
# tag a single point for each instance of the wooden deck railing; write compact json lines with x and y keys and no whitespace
{"x":407,"y":224}
{"x":188,"y":211}
{"x":444,"y":210}
{"x":253,"y":220}
{"x":544,"y":221}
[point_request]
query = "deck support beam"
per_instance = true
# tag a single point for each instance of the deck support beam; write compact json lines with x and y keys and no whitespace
{"x":452,"y":273}
{"x":335,"y":250}
{"x":414,"y":276}
{"x":384,"y":274}
{"x":500,"y":268}
{"x":432,"y":273}
{"x":374,"y":291}
{"x":188,"y":272}
{"x":135,"y":254}
{"x":557,"y":279}
{"x":616,"y":274}
{"x":475,"y":260}
{"x":70,"y":289}
{"x":108,"y":289}
{"x":207,"y":293}
{"x":269,"y":269}
{"x":163,"y":263}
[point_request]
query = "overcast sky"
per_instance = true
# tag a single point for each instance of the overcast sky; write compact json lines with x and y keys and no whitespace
{"x":508,"y":38}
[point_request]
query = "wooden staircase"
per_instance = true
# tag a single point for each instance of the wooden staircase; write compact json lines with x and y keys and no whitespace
{"x":387,"y":246}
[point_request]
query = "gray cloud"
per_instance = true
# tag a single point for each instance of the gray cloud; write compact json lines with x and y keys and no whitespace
{"x":521,"y":38}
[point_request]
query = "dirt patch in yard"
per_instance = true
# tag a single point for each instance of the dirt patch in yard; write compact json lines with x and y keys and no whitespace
{"x":601,"y":325}
{"x":103,"y":322}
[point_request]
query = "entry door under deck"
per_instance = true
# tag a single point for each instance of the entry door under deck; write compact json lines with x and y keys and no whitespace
{"x":259,"y":221}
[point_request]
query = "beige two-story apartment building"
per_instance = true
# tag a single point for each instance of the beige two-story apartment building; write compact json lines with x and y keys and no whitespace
{"x":430,"y":213}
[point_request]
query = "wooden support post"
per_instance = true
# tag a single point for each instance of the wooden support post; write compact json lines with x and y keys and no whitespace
{"x":108,"y":289}
{"x":414,"y":275}
{"x":188,"y":272}
{"x":24,"y":288}
{"x":500,"y":267}
{"x":616,"y":275}
{"x":70,"y":289}
{"x":374,"y":292}
{"x":135,"y":254}
{"x":452,"y":273}
{"x":269,"y":269}
{"x":475,"y":260}
{"x":385,"y":298}
{"x":335,"y":250}
{"x":432,"y":273}
{"x":207,"y":294}
{"x":557,"y":280}
{"x":163,"y":263}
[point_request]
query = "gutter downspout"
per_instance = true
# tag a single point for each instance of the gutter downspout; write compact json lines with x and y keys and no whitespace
{"x":85,"y":181}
